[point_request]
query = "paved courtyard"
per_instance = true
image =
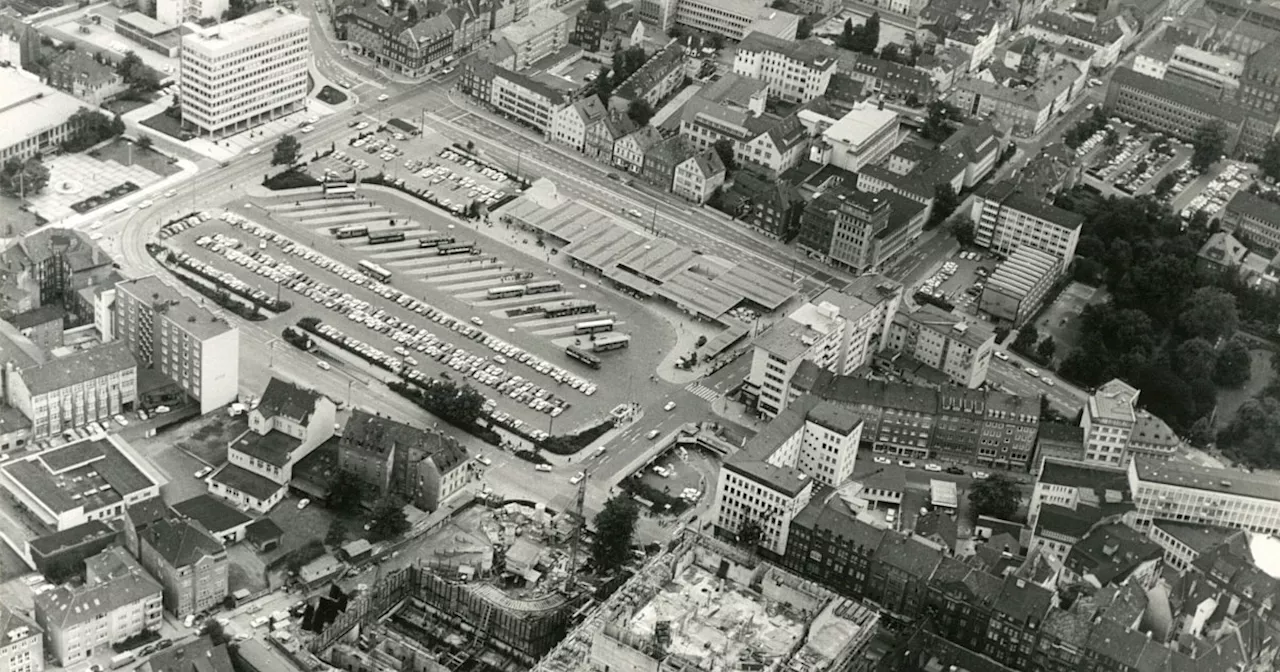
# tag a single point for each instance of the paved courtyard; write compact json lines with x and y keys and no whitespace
{"x":76,"y":177}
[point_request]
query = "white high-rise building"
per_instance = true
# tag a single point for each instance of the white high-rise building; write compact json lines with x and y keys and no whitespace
{"x":241,"y":73}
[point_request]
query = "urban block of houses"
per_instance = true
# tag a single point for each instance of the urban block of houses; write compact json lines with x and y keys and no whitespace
{"x":190,"y":563}
{"x":21,"y":642}
{"x":652,"y":82}
{"x":1105,"y":39}
{"x":289,"y":423}
{"x":1116,"y":430}
{"x":81,"y":74}
{"x":795,"y":70}
{"x":1020,"y":109}
{"x":425,"y":467}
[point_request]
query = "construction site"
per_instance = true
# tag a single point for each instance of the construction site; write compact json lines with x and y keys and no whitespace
{"x":706,"y":606}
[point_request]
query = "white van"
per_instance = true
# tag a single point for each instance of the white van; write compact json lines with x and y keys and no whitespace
{"x":653,"y":434}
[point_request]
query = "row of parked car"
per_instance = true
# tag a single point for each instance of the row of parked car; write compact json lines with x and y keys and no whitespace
{"x":1220,"y":190}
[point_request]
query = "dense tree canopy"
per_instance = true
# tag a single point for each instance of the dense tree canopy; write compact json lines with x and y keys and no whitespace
{"x":389,"y":521}
{"x":1208,"y":143}
{"x":1210,"y":314}
{"x":287,"y":152}
{"x":995,"y":496}
{"x":23,"y":178}
{"x":615,"y":526}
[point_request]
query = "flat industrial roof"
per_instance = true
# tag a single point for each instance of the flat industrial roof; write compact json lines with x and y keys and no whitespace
{"x":91,"y":474}
{"x":29,"y":107}
{"x":1224,"y":481}
{"x":860,"y":124}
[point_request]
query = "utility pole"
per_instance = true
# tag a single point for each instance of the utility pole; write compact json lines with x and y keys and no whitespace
{"x":653,"y":224}
{"x":579,"y":523}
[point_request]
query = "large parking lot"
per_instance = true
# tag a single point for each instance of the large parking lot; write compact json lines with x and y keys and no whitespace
{"x":960,"y":279}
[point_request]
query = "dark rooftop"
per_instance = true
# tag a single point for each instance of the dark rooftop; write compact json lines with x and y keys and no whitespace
{"x":70,"y":537}
{"x":180,"y":542}
{"x":211,"y":512}
{"x":243,"y":480}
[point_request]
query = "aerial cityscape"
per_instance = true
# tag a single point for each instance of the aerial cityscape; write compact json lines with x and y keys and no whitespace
{"x":640,"y":336}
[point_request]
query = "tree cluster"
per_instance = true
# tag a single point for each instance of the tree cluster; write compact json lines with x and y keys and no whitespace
{"x":940,"y":121}
{"x":135,"y":73}
{"x":287,"y":151}
{"x":237,"y":9}
{"x":1270,"y":161}
{"x":640,"y":111}
{"x":20,"y":178}
{"x":996,"y":496}
{"x":1207,"y":143}
{"x":615,"y":526}
{"x":1031,"y":345}
{"x":863,"y":39}
{"x":92,"y":127}
{"x":1253,"y":434}
{"x":945,"y":202}
{"x":346,"y":492}
{"x":388,"y":521}
{"x":459,"y":405}
{"x":896,"y":53}
{"x":1085,"y":128}
{"x":625,"y":63}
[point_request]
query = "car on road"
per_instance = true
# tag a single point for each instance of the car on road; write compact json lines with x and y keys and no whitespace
{"x":670,"y":405}
{"x":653,"y":434}
{"x":980,"y":475}
{"x":1047,"y":381}
{"x":259,"y":621}
{"x":484,"y":460}
{"x":577,"y":478}
{"x":164,"y":644}
{"x":308,"y":128}
{"x":255,"y":150}
{"x":362,"y":125}
{"x":302,"y":503}
{"x":955,"y":471}
{"x":1030,"y":371}
{"x":323,"y":365}
{"x":907,"y":464}
{"x":933,"y":467}
{"x":383,"y":98}
{"x":204,"y":472}
{"x":171,"y":193}
{"x":882,"y":460}
{"x":146,"y":204}
{"x":1002,"y":355}
{"x":543,"y":467}
{"x":477,"y":321}
{"x":119,"y":417}
{"x":313,"y":120}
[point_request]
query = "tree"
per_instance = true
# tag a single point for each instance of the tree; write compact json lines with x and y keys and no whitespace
{"x":23,"y":178}
{"x":336,"y":535}
{"x":1253,"y":435}
{"x":144,"y":141}
{"x":615,"y":525}
{"x":994,"y":496}
{"x":870,"y":37}
{"x":287,"y":152}
{"x":1232,"y":367}
{"x":1027,"y":338}
{"x":640,"y":111}
{"x":346,"y":493}
{"x":750,"y":534}
{"x":805,"y":29}
{"x":388,"y":522}
{"x":945,"y":202}
{"x":604,"y":86}
{"x":939,"y":121}
{"x":963,"y":230}
{"x":848,"y":40}
{"x":724,"y":148}
{"x":412,"y":15}
{"x":1207,"y":144}
{"x":237,"y":9}
{"x":1195,"y":359}
{"x":891,"y":52}
{"x":217,"y":634}
{"x":1046,"y":349}
{"x":1270,"y":161}
{"x":1210,"y":313}
{"x":1165,"y":185}
{"x":597,"y":6}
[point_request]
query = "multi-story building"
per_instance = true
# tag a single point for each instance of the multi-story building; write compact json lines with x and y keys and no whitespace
{"x":859,"y":230}
{"x":698,"y":177}
{"x":1259,"y":84}
{"x":764,"y":203}
{"x":1005,"y":219}
{"x":569,"y":125}
{"x":117,"y":601}
{"x":734,"y":19}
{"x":1072,"y":484}
{"x":1026,"y":111}
{"x":865,"y":135}
{"x":796,"y":71}
{"x":51,"y":267}
{"x":1214,"y":74}
{"x":1173,"y":109}
{"x":1104,"y":38}
{"x":36,"y":117}
{"x":604,"y":136}
{"x":652,"y":82}
{"x":900,"y":571}
{"x":1116,"y":431}
{"x":84,"y":75}
{"x":838,"y":332}
{"x":191,"y":346}
{"x":287,"y":425}
{"x":945,"y":342}
{"x":71,"y":392}
{"x":92,"y":479}
{"x":189,"y":562}
{"x":1203,"y":495}
{"x":962,"y":598}
{"x":1253,"y":218}
{"x":242,"y":73}
{"x":630,"y":150}
{"x":1184,"y":543}
{"x":887,"y":78}
{"x":771,"y":480}
{"x":175,"y":12}
{"x":1058,"y":440}
{"x":21,"y":643}
{"x":425,"y":467}
{"x":828,"y":543}
{"x":531,"y":39}
{"x":411,"y":49}
{"x":60,"y":556}
{"x":1019,"y":285}
{"x":661,"y":159}
{"x":530,"y":101}
{"x":1016,"y":617}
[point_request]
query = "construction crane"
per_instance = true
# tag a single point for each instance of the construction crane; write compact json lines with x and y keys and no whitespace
{"x":579,"y":522}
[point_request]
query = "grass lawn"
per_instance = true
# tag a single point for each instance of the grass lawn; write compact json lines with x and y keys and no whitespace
{"x":120,"y":152}
{"x":16,"y":221}
{"x":207,"y":438}
{"x":331,"y":95}
{"x":166,"y":124}
{"x":1259,"y":376}
{"x":125,"y":106}
{"x":245,"y":569}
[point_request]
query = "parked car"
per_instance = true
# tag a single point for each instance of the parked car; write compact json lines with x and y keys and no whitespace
{"x":577,"y":478}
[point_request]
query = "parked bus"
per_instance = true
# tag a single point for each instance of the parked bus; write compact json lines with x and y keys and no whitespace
{"x":338,"y":190}
{"x":121,"y":659}
{"x":593,"y":327}
{"x":506,"y":292}
{"x":610,"y":342}
{"x":375,"y":271}
{"x":583,"y":356}
{"x":455,"y":248}
{"x":544,"y":287}
{"x":356,"y":231}
{"x":569,"y":307}
{"x":388,"y":236}
{"x":435,"y":241}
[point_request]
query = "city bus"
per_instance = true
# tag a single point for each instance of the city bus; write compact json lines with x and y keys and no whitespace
{"x":338,"y":190}
{"x":507,"y":292}
{"x":435,"y":241}
{"x":583,"y":356}
{"x":593,"y":327}
{"x":610,"y":342}
{"x":375,"y":271}
{"x":355,"y":231}
{"x":455,"y":248}
{"x":544,"y":287}
{"x":387,"y":236}
{"x":569,"y":307}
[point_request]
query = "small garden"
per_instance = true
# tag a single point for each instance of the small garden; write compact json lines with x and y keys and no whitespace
{"x":219,"y":296}
{"x":113,"y":194}
{"x":331,"y":96}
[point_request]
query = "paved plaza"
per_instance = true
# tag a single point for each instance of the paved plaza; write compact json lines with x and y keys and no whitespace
{"x":75,"y":177}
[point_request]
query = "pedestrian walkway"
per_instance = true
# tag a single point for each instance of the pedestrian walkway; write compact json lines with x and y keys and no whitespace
{"x":700,"y":390}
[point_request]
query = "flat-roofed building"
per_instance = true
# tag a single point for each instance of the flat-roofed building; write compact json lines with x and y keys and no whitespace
{"x":1204,"y":495}
{"x":1027,"y":111}
{"x":70,"y":392}
{"x":242,"y":73}
{"x":34,"y":118}
{"x":1253,"y":218}
{"x":1183,"y":543}
{"x":534,"y":37}
{"x":93,"y":479}
{"x":1174,"y":108}
{"x":1116,"y":430}
{"x":1215,"y":74}
{"x":863,"y":136}
{"x":118,"y":600}
{"x":735,"y":19}
{"x":191,"y":346}
{"x":956,"y":347}
{"x":1072,"y":484}
{"x":175,"y":12}
{"x":1006,"y":219}
{"x":1019,"y":285}
{"x":796,"y":71}
{"x":21,"y":643}
{"x":60,"y":556}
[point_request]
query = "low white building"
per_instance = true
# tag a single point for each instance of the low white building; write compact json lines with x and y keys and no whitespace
{"x":1187,"y":493}
{"x":34,"y":118}
{"x":863,"y":136}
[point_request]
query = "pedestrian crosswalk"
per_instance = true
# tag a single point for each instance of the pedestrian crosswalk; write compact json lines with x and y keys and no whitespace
{"x":700,"y":390}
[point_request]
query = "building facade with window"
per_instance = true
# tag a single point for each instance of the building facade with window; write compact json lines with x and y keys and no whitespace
{"x":1203,"y":495}
{"x":189,"y":562}
{"x":796,"y":71}
{"x":21,"y":643}
{"x":1006,"y":219}
{"x":70,"y":392}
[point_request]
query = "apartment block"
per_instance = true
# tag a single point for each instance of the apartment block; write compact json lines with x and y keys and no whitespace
{"x":772,"y":479}
{"x":653,"y":82}
{"x":530,"y":100}
{"x":796,"y":71}
{"x":838,"y":332}
{"x":1104,"y":38}
{"x":118,"y":600}
{"x":1203,"y":495}
{"x":52,"y":266}
{"x":1116,"y":430}
{"x":938,"y":339}
{"x":35,"y":117}
{"x":1019,"y":285}
{"x":569,"y":125}
{"x":70,"y":392}
{"x":21,"y":643}
{"x":1172,"y":108}
{"x":166,"y":331}
{"x":412,"y":49}
{"x":1253,"y":218}
{"x":861,"y":231}
{"x":242,"y":73}
{"x":1184,"y":543}
{"x":1027,"y":111}
{"x":189,"y":562}
{"x":425,"y":467}
{"x":1006,"y":219}
{"x":1072,"y":484}
{"x":698,"y":177}
{"x":531,"y":39}
{"x":70,"y":485}
{"x":288,"y":424}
